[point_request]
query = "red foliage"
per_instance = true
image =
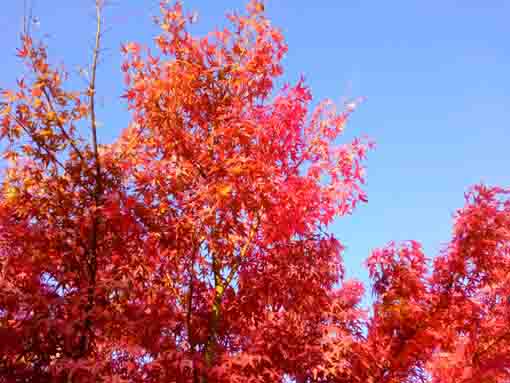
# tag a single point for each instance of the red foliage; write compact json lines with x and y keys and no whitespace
{"x":195,"y":247}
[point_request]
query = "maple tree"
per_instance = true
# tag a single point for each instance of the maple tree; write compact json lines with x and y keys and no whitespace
{"x":195,"y":247}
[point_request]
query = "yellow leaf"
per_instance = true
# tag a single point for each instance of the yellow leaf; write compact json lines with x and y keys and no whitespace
{"x":236,"y":169}
{"x":37,"y":102}
{"x":5,"y":110}
{"x":51,"y":116}
{"x":11,"y":193}
{"x":46,"y":132}
{"x":224,"y":190}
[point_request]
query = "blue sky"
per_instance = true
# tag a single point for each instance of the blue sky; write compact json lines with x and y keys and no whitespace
{"x":436,"y":75}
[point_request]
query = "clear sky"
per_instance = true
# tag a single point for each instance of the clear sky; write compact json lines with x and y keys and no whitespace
{"x":436,"y":75}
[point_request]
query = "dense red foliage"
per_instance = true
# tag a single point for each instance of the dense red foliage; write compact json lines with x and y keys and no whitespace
{"x":195,"y":247}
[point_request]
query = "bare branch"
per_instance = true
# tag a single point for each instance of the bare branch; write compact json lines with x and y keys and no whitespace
{"x":92,"y":91}
{"x":27,"y":16}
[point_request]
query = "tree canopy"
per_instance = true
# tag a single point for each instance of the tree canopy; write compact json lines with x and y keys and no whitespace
{"x":195,"y":248}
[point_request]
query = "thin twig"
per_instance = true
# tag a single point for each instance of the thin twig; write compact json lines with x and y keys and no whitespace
{"x":39,"y":144}
{"x":61,"y":126}
{"x":244,"y":251}
{"x":92,"y":91}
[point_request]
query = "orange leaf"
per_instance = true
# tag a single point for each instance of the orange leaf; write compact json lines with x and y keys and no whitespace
{"x":224,"y":190}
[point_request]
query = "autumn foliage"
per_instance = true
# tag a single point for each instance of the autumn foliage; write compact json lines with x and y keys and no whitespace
{"x":195,"y":248}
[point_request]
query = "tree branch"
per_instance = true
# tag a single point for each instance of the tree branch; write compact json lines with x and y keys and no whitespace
{"x":92,"y":91}
{"x":98,"y":190}
{"x":61,"y":127}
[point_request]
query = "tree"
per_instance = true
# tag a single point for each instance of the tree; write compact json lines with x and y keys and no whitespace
{"x":195,"y":247}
